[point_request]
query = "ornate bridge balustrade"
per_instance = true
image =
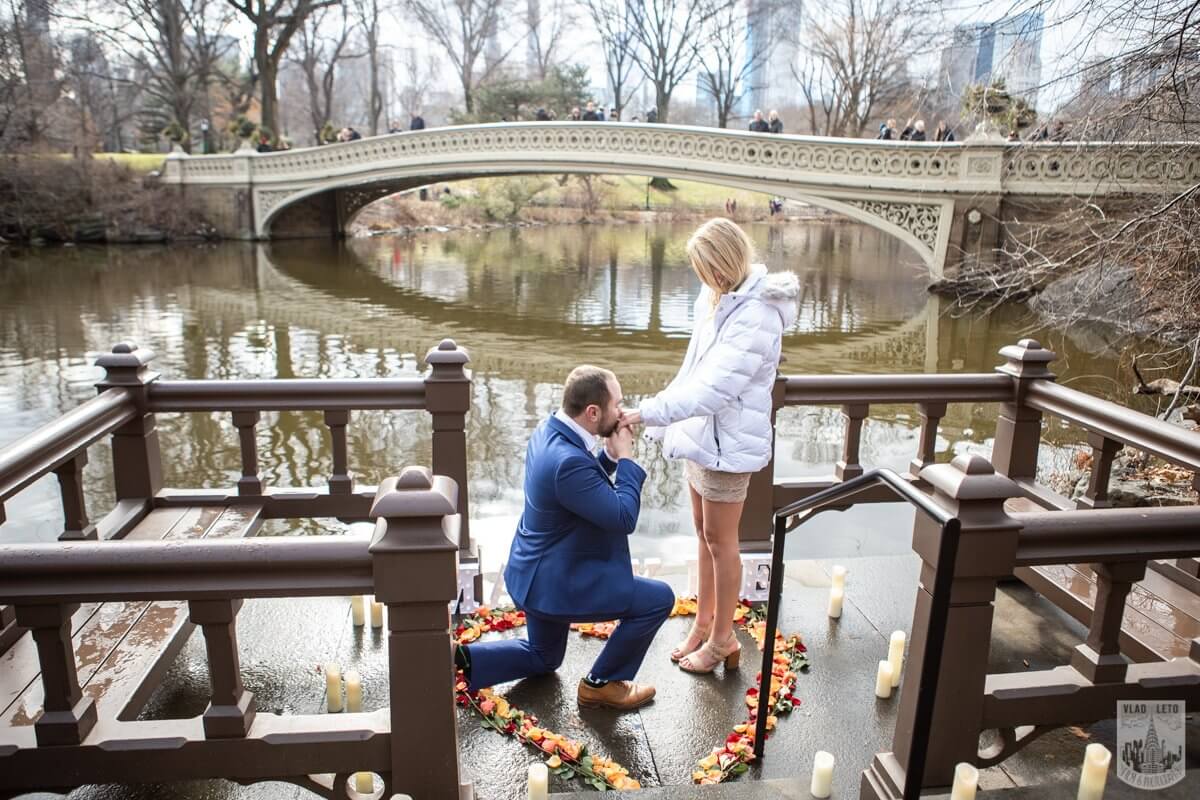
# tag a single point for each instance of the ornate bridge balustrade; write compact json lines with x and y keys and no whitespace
{"x":943,"y":200}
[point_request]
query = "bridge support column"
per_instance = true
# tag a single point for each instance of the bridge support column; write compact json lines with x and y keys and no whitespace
{"x":976,"y":232}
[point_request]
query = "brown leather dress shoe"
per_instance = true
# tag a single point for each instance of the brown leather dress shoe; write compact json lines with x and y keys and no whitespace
{"x":621,"y":695}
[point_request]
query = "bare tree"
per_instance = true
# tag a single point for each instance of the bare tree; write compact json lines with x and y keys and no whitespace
{"x":29,"y":71}
{"x":611,"y":22}
{"x":668,"y":34}
{"x":275,"y":22}
{"x":727,"y":60}
{"x":367,"y":13}
{"x":417,"y":79}
{"x":463,"y":30}
{"x":322,"y":43}
{"x":857,"y":54}
{"x":544,"y":32}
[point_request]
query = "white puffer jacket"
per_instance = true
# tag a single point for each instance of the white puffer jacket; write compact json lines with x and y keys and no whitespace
{"x":717,"y":409}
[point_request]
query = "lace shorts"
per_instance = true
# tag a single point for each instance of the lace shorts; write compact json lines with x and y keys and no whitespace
{"x":717,"y":487}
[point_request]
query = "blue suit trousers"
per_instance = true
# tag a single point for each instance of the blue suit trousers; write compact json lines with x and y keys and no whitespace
{"x":543,"y":650}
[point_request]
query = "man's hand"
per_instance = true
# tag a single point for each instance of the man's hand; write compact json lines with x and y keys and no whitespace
{"x":620,"y":443}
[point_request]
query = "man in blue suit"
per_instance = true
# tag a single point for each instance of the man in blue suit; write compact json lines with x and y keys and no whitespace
{"x":569,"y":560}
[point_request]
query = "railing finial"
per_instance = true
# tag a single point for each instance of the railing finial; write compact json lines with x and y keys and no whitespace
{"x":968,"y":477}
{"x":1027,"y":359}
{"x":126,"y":366}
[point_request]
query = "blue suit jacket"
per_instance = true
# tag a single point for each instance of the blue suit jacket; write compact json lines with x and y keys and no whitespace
{"x":570,"y":555}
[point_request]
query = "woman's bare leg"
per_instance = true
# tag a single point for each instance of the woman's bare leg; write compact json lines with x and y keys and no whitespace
{"x":721,"y":521}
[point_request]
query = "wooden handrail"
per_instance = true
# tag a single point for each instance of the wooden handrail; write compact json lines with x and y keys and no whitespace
{"x":1116,"y":422}
{"x":288,"y":394}
{"x":35,"y":455}
{"x":1115,"y":534}
{"x":884,"y":389}
{"x":96,"y":572}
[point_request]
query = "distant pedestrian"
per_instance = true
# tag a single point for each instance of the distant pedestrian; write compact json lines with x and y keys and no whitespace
{"x":774,"y":124}
{"x":1013,"y":136}
{"x":888,"y":130}
{"x":944,"y":132}
{"x":417,"y":123}
{"x":613,"y":116}
{"x":758,"y":124}
{"x":541,"y":115}
{"x":652,"y":115}
{"x":1060,"y":131}
{"x":913,"y":131}
{"x":395,"y":126}
{"x":591,"y":114}
{"x":576,"y":115}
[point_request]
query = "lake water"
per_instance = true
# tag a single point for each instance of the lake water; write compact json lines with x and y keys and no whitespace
{"x":528,"y":304}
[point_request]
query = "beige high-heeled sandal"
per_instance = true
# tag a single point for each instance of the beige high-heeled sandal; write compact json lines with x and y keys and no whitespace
{"x":696,"y":637}
{"x":711,"y":654}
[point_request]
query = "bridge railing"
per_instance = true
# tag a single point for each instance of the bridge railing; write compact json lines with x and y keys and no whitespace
{"x":131,"y":395}
{"x":409,"y":563}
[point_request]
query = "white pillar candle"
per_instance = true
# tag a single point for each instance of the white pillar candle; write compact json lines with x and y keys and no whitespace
{"x":358,"y":610}
{"x":539,"y":781}
{"x":883,"y":680}
{"x":353,"y":691}
{"x":896,"y":656}
{"x":376,"y":614}
{"x":1096,"y":759}
{"x":836,"y":595}
{"x":693,"y":572}
{"x":364,"y":782}
{"x":838,"y":576}
{"x":966,"y":781}
{"x":822,"y":777}
{"x":333,"y":687}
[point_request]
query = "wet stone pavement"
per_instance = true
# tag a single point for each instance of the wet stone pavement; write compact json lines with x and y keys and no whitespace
{"x":283,"y":642}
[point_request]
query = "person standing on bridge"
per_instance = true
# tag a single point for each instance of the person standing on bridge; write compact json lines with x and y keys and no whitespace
{"x":716,"y":417}
{"x":758,"y":124}
{"x":774,"y":123}
{"x":569,"y":560}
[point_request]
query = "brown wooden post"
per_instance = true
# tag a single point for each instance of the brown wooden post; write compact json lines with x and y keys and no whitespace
{"x":137,"y":459}
{"x":931,"y":415}
{"x":971,"y":490}
{"x":231,"y":709}
{"x":1104,"y":450}
{"x":448,"y":399}
{"x":414,"y":553}
{"x":341,"y":481}
{"x":70,"y":482}
{"x":1099,"y":658}
{"x":67,"y":716}
{"x":1019,"y":427}
{"x":250,"y":484}
{"x":754,"y":531}
{"x":850,"y":466}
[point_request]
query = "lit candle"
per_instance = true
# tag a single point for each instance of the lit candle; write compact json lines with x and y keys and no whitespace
{"x":357,"y":610}
{"x":838,"y":575}
{"x":822,"y":777}
{"x":353,"y":691}
{"x":896,"y":656}
{"x":883,"y":680}
{"x":966,"y":780}
{"x":364,"y":782}
{"x":836,"y":595}
{"x":333,"y":687}
{"x":1095,"y":772}
{"x":539,"y":781}
{"x":376,"y":614}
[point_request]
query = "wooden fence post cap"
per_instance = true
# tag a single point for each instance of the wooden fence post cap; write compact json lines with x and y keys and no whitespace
{"x":1026,"y":359}
{"x":447,"y":352}
{"x":969,"y":477}
{"x":126,"y":365}
{"x":416,"y":492}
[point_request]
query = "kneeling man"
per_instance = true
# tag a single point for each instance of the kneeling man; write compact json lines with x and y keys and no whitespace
{"x":569,"y":560}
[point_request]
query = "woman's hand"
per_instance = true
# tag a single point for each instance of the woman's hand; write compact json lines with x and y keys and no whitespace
{"x":631,"y":417}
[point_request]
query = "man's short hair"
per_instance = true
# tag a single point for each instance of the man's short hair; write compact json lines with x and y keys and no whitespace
{"x":586,"y":386}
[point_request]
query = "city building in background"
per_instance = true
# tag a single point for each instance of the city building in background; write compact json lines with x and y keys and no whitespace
{"x":980,"y":53}
{"x":772,"y":48}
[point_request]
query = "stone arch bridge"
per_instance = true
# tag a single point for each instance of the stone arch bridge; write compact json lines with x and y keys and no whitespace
{"x":948,"y":202}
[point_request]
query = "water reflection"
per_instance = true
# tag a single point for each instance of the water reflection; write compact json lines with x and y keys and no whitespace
{"x":528,"y":303}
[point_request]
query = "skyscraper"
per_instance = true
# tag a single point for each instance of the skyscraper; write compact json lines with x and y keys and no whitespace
{"x":1009,"y":48}
{"x":771,"y":50}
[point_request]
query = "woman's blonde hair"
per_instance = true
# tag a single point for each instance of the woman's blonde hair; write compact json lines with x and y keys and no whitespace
{"x":720,"y":253}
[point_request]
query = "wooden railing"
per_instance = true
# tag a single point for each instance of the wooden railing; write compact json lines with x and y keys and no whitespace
{"x":131,"y":395}
{"x":409,"y":563}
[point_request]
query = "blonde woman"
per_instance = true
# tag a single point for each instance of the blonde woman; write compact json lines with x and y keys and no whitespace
{"x":716,"y":416}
